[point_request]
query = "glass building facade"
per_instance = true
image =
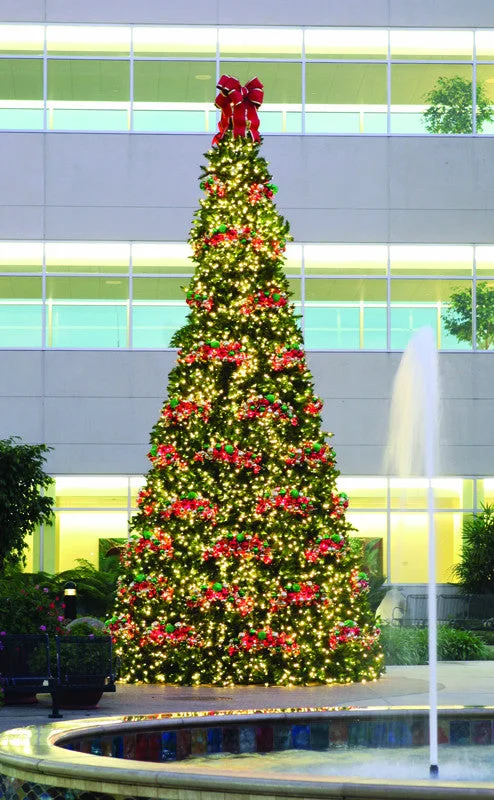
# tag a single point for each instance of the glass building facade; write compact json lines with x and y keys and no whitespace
{"x":114,"y":295}
{"x":351,"y":295}
{"x":160,"y":79}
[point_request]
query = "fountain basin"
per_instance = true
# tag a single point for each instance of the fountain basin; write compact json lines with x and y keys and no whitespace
{"x":110,"y":758}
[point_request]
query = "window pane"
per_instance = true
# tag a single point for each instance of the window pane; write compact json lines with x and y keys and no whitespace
{"x":82,"y":491}
{"x":431,"y":259}
{"x":365,"y":492}
{"x":21,"y":94}
{"x":21,"y":39}
{"x":456,"y":317}
{"x":87,"y":312}
{"x":484,"y":45}
{"x":449,"y":493}
{"x":485,"y":99}
{"x":174,"y":96}
{"x":410,"y":88}
{"x":79,"y":534}
{"x":20,"y":312}
{"x":415,"y":303}
{"x":281,"y":108}
{"x":485,"y":315}
{"x":153,"y":324}
{"x":98,"y":80}
{"x":371,"y":529}
{"x":345,"y":43}
{"x":181,"y":82}
{"x":21,"y":256}
{"x":342,"y":259}
{"x":87,"y":257}
{"x":338,"y":97}
{"x":159,"y":41}
{"x":88,"y":40}
{"x":418,"y":45}
{"x":259,"y":43}
{"x":337,"y":313}
{"x":485,"y":492}
{"x":484,"y":260}
{"x":157,"y":257}
{"x":409,"y":546}
{"x":159,"y":308}
{"x":293,"y":259}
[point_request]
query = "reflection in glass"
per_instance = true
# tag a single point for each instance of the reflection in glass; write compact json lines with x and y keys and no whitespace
{"x":21,"y":94}
{"x":259,"y":43}
{"x":433,"y":45}
{"x":409,"y":541}
{"x":411,"y":85}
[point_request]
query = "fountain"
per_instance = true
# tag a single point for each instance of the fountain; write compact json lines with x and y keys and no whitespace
{"x":319,"y":752}
{"x":412,"y":449}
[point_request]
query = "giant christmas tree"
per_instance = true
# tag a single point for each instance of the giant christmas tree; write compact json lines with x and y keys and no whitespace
{"x":239,"y":568}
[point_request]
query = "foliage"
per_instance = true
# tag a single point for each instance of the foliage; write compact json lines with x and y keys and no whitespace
{"x":475,"y":570}
{"x":406,"y":646}
{"x":458,"y":316}
{"x":240,"y":569}
{"x":22,"y":504}
{"x":95,"y":588}
{"x":450,"y":106}
{"x":27,"y":607}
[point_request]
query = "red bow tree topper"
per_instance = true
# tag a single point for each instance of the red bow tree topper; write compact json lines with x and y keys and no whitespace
{"x":238,"y":105}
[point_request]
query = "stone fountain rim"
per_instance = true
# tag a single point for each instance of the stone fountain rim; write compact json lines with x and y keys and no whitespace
{"x":47,"y":759}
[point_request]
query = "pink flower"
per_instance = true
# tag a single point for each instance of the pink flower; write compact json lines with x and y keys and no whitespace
{"x":45,"y":590}
{"x":42,"y":627}
{"x":60,"y":619}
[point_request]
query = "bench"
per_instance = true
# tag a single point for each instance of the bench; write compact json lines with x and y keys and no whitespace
{"x":85,"y":669}
{"x":25,"y":668}
{"x":455,"y":608}
{"x":78,"y":673}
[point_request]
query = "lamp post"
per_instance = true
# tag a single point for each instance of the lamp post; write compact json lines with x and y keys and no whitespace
{"x":70,"y":599}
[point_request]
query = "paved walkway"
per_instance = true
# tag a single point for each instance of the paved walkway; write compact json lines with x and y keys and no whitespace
{"x":468,"y":683}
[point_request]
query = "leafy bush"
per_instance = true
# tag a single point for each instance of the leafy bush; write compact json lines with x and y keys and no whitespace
{"x":406,"y":646}
{"x":28,"y":607}
{"x":475,"y":570}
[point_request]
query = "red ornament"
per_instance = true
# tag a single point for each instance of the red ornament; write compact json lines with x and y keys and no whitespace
{"x":238,"y":105}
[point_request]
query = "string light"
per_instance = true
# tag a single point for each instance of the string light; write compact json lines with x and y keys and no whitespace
{"x":239,"y":568}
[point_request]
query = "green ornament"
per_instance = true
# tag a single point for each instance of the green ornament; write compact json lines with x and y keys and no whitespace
{"x":276,"y":297}
{"x":214,"y":343}
{"x":146,"y":534}
{"x":294,"y":493}
{"x":229,"y":448}
{"x":217,"y":587}
{"x":174,"y":402}
{"x":252,"y":632}
{"x":296,"y":587}
{"x":170,"y":628}
{"x":240,"y":537}
{"x":349,"y":623}
{"x":284,"y":407}
{"x":262,"y":635}
{"x":270,"y":398}
{"x":222,"y":229}
{"x":153,"y":449}
{"x":336,"y":538}
{"x":229,"y":536}
{"x":190,"y":295}
{"x":191,"y":495}
{"x":288,"y":587}
{"x":140,"y":577}
{"x":204,"y":587}
{"x":317,"y":447}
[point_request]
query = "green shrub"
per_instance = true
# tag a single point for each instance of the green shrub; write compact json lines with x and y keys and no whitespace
{"x":406,"y":646}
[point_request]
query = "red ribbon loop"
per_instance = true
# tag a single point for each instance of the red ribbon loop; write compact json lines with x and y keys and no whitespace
{"x":238,"y":105}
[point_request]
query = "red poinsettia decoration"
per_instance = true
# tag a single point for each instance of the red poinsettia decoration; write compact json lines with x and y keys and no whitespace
{"x":292,"y":357}
{"x":223,"y":595}
{"x":297,"y":594}
{"x":177,"y":411}
{"x":231,"y":454}
{"x":214,"y":351}
{"x":191,"y":505}
{"x":264,"y":639}
{"x":166,"y":455}
{"x":240,"y":545}
{"x":290,"y":500}
{"x":328,"y":544}
{"x":311,"y":453}
{"x":272,"y":298}
{"x":267,"y":406}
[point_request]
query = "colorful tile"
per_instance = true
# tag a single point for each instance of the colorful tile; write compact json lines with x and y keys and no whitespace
{"x":247,"y":740}
{"x":319,"y":736}
{"x":231,"y":740}
{"x":168,"y":746}
{"x":199,"y":742}
{"x":264,"y":738}
{"x":482,"y":731}
{"x":338,"y":733}
{"x":459,"y":732}
{"x":215,"y":740}
{"x":282,"y":737}
{"x":301,"y":737}
{"x":183,"y":744}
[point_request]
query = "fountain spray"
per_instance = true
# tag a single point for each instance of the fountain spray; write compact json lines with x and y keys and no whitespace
{"x":412,"y":450}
